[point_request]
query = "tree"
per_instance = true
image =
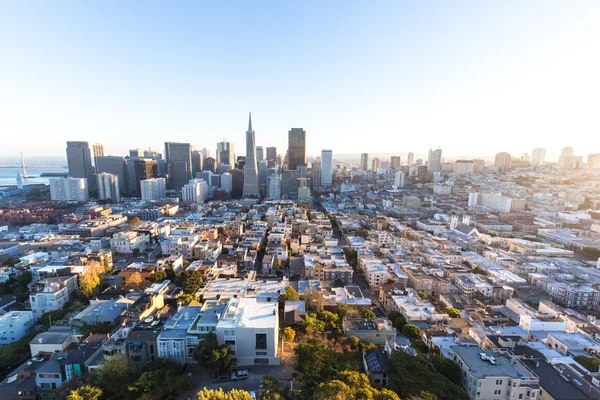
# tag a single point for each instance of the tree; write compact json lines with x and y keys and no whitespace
{"x":345,"y":310}
{"x":420,"y":345}
{"x":134,"y":280}
{"x":290,"y":294}
{"x":114,"y":376}
{"x":134,"y":223}
{"x":480,"y":271}
{"x":330,"y":319}
{"x":90,"y":280}
{"x":85,"y":392}
{"x":192,"y":280}
{"x":354,"y":343}
{"x":397,"y":320}
{"x":411,"y":331}
{"x":270,"y":382}
{"x":159,"y":276}
{"x":367,"y":313}
{"x":590,"y":363}
{"x":221,"y":358}
{"x":591,"y":252}
{"x":452,"y":312}
{"x":233,"y":394}
{"x":203,"y":352}
{"x":352,"y":385}
{"x":447,"y":367}
{"x":316,"y":363}
{"x":289,"y":334}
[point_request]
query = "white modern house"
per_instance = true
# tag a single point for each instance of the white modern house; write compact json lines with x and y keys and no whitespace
{"x":14,"y":325}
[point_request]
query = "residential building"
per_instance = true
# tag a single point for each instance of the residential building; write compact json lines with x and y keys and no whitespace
{"x":374,"y":331}
{"x":195,"y":191}
{"x":503,"y":162}
{"x":80,"y":162}
{"x":395,"y":162}
{"x":153,"y":189}
{"x":69,"y":189}
{"x":108,"y":187}
{"x":364,"y":161}
{"x":434,"y":161}
{"x":129,"y":242}
{"x":538,"y":157}
{"x":51,"y":294}
{"x":14,"y":325}
{"x":326,"y":167}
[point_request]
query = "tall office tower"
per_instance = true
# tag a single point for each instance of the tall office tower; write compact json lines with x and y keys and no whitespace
{"x":240,"y":162}
{"x":274,"y":183}
{"x":410,"y":160}
{"x":179,"y":163}
{"x":385,"y":164}
{"x":296,"y":147}
{"x":227,"y":182}
{"x":326,"y":167}
{"x":375,"y":165}
{"x":395,"y":162}
{"x":271,"y":156}
{"x":565,"y":160}
{"x":302,"y":170}
{"x":434,"y":162}
{"x":153,"y":189}
{"x":205,"y":152}
{"x":195,"y":191}
{"x":108,"y":187}
{"x":222,"y":168}
{"x":69,"y":189}
{"x":80,"y":162}
{"x":209,"y":164}
{"x":98,"y":151}
{"x":136,"y":153}
{"x":316,"y":175}
{"x":139,"y":170}
{"x":290,"y":183}
{"x":399,"y":179}
{"x":259,"y":153}
{"x":113,"y":165}
{"x":538,"y":157}
{"x":225,"y":153}
{"x":262,"y":177}
{"x":364,"y":161}
{"x":237,"y":185}
{"x":250,"y":177}
{"x":594,"y":160}
{"x":503,"y":162}
{"x":197,"y":160}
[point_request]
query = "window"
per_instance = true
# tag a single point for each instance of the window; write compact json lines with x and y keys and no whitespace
{"x":261,"y":361}
{"x":261,"y":341}
{"x":261,"y":353}
{"x":521,"y":396}
{"x":230,"y":342}
{"x":229,"y":332}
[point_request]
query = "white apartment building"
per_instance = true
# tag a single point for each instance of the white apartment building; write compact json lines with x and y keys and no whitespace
{"x":463,"y":167}
{"x":195,"y":191}
{"x":538,"y":157}
{"x":108,"y":187}
{"x":181,"y":245}
{"x":441,"y":189}
{"x":69,"y":189}
{"x":153,"y":189}
{"x":274,"y":184}
{"x":375,"y":272}
{"x":489,"y":377}
{"x":471,"y":284}
{"x":227,"y":182}
{"x":251,"y":328}
{"x":172,"y":342}
{"x":14,"y":325}
{"x":399,"y":179}
{"x":51,"y":294}
{"x":326,"y":167}
{"x":496,"y":202}
{"x":128,"y":242}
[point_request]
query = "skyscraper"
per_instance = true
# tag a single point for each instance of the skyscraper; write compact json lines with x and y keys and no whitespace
{"x":139,"y":169}
{"x":326,"y":167}
{"x":290,"y":183}
{"x":271,"y":156}
{"x":80,"y":162}
{"x":259,"y":153}
{"x":410,"y":160}
{"x":274,"y":183}
{"x":179,"y":163}
{"x":434,"y":162}
{"x":364,"y":161}
{"x":153,"y":189}
{"x":316,"y":175}
{"x":538,"y":157}
{"x":69,"y":189}
{"x":262,"y":177}
{"x":113,"y":165}
{"x":503,"y":162}
{"x":108,"y":187}
{"x":296,"y":147}
{"x":375,"y":165}
{"x":395,"y":162}
{"x":225,"y":153}
{"x":197,"y":159}
{"x":208,"y":164}
{"x":565,"y":160}
{"x":98,"y":150}
{"x":250,"y":176}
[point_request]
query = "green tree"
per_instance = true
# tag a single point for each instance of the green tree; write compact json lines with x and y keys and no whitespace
{"x":316,"y":363}
{"x":330,"y":319}
{"x":203,"y":352}
{"x":420,"y":345}
{"x":289,"y":334}
{"x":345,"y":310}
{"x":351,"y":385}
{"x":85,"y":392}
{"x":233,"y":394}
{"x":452,"y":312}
{"x":192,"y":280}
{"x":159,"y":276}
{"x":134,"y":222}
{"x":290,"y":294}
{"x":113,"y":377}
{"x":397,"y":320}
{"x":367,"y":313}
{"x":411,"y":331}
{"x":14,"y":353}
{"x":590,"y":363}
{"x":270,"y":382}
{"x":447,"y":367}
{"x":591,"y":252}
{"x":221,"y":358}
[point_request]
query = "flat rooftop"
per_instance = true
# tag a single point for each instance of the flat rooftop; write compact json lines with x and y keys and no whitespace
{"x":483,"y":369}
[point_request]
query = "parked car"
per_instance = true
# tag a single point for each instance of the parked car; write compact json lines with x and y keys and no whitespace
{"x":222,"y":378}
{"x":239,"y":375}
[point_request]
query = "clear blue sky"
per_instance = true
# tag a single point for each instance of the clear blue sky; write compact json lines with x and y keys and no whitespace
{"x":473,"y":77}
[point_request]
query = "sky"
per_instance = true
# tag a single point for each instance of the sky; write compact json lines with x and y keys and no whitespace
{"x":471,"y":77}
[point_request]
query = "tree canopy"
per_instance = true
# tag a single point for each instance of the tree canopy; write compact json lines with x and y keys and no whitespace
{"x":233,"y":394}
{"x":290,"y":294}
{"x":590,"y":363}
{"x":411,"y":331}
{"x":452,"y":312}
{"x":85,"y":392}
{"x":210,"y":354}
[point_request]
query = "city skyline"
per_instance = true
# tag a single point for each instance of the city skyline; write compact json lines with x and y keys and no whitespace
{"x":129,"y":77}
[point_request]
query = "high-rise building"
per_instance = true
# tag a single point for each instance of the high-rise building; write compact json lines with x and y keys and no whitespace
{"x":434,"y":162}
{"x":296,"y":147}
{"x":80,"y":162}
{"x":262,"y":177}
{"x":179,"y":163}
{"x":108,"y":187}
{"x":271,"y":156}
{"x":326,"y":167}
{"x":227,"y":182}
{"x":399,"y":179}
{"x":237,"y":185}
{"x":113,"y":165}
{"x":538,"y":157}
{"x":594,"y":160}
{"x":225,"y":153}
{"x":316,"y":175}
{"x":209,"y":164}
{"x":259,"y":153}
{"x":250,"y":176}
{"x":139,"y":170}
{"x":98,"y":151}
{"x":503,"y":162}
{"x":69,"y":189}
{"x":205,"y":153}
{"x":195,"y":191}
{"x":136,"y":153}
{"x":197,"y":160}
{"x":375,"y":165}
{"x":410,"y":159}
{"x":274,"y":183}
{"x":290,"y":183}
{"x":364,"y":161}
{"x":395,"y":162}
{"x":153,"y":189}
{"x":565,"y":160}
